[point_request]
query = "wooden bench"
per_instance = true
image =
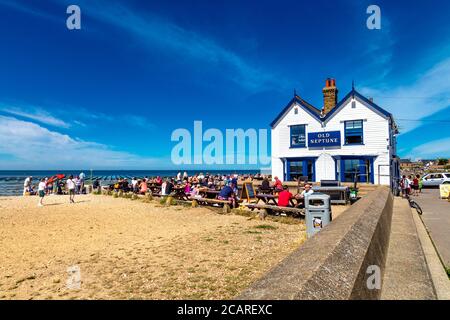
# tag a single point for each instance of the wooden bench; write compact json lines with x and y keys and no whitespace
{"x":226,"y":204}
{"x":270,"y":209}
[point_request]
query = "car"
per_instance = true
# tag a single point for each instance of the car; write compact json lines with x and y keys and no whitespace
{"x":435,"y":179}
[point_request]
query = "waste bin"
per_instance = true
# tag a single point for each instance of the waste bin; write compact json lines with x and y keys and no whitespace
{"x":318,"y":212}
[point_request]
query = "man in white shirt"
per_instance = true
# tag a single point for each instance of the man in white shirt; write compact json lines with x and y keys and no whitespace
{"x":41,"y":190}
{"x":305,"y":193}
{"x":308,"y":191}
{"x":134,"y":183}
{"x":71,"y":188}
{"x":81,"y":177}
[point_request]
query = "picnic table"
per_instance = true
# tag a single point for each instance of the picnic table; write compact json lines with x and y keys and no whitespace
{"x":269,"y":190}
{"x":267,"y":198}
{"x":178,"y":193}
{"x":209,"y":193}
{"x":225,"y":204}
{"x":338,"y":195}
{"x":155,"y":190}
{"x":270,"y":199}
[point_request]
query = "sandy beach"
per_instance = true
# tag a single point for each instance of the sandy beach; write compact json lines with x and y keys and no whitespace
{"x":129,"y":249}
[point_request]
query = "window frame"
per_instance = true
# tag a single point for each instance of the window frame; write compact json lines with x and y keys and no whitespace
{"x":346,"y":132}
{"x":304,"y":145}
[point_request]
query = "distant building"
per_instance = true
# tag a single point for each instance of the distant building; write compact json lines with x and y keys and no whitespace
{"x":346,"y":140}
{"x":406,"y":164}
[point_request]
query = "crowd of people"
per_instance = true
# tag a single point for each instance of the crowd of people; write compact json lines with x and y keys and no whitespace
{"x":410,"y":185}
{"x":226,"y":186}
{"x":55,"y":185}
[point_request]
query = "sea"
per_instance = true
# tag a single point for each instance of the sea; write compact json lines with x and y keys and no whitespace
{"x":11,"y":182}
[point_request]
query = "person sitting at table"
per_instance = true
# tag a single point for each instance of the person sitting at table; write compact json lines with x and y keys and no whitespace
{"x":284,"y":197}
{"x":265,"y":186}
{"x":278,"y":185}
{"x":301,"y":197}
{"x":159,"y":180}
{"x":117,"y":185}
{"x":163,"y":187}
{"x":143,"y":187}
{"x":187,"y":187}
{"x":95,"y":185}
{"x":195,"y":192}
{"x":125,"y":185}
{"x":169,"y":186}
{"x":228,"y":194}
{"x":134,"y":183}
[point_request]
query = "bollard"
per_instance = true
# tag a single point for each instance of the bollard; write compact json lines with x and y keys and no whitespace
{"x":226,"y":208}
{"x":263,"y":214}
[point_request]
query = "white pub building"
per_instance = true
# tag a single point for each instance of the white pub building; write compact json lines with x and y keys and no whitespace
{"x":353,"y":139}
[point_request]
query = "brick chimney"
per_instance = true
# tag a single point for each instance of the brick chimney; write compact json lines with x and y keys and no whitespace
{"x":330,"y":93}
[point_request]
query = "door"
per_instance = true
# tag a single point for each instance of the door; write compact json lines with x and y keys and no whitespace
{"x":359,"y":169}
{"x":350,"y":170}
{"x":438,"y":179}
{"x":297,"y":168}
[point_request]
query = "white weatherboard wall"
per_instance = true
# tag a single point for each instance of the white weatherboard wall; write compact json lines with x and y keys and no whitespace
{"x":376,"y":128}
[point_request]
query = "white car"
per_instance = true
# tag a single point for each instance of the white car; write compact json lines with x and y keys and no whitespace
{"x":435,"y":179}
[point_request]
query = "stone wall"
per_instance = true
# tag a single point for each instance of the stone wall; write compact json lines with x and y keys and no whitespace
{"x":333,"y":263}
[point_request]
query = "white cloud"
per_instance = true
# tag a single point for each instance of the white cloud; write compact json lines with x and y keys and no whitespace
{"x":36,"y":114}
{"x":431,"y":149}
{"x":33,"y":146}
{"x":424,"y":97}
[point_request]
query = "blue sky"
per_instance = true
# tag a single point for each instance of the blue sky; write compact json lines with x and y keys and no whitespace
{"x":110,"y":95}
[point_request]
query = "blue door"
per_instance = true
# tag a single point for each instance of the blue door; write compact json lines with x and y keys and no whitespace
{"x":300,"y":167}
{"x":357,"y":169}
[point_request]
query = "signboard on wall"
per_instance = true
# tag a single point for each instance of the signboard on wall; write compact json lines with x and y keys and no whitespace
{"x":324,"y":139}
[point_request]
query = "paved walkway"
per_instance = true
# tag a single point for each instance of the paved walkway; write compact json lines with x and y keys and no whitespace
{"x":436,"y":217}
{"x":406,"y":275}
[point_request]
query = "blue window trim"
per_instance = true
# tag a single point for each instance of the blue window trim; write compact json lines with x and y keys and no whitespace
{"x":362,"y":133}
{"x":305,"y":167}
{"x":362,"y":159}
{"x":290,"y":137}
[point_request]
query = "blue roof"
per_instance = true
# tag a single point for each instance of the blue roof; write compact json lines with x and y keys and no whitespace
{"x":316,"y":113}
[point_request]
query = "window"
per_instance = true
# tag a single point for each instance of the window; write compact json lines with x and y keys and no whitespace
{"x":295,"y":170}
{"x":354,"y":132}
{"x":299,"y":168}
{"x":298,"y":136}
{"x":351,"y":170}
{"x":356,"y":169}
